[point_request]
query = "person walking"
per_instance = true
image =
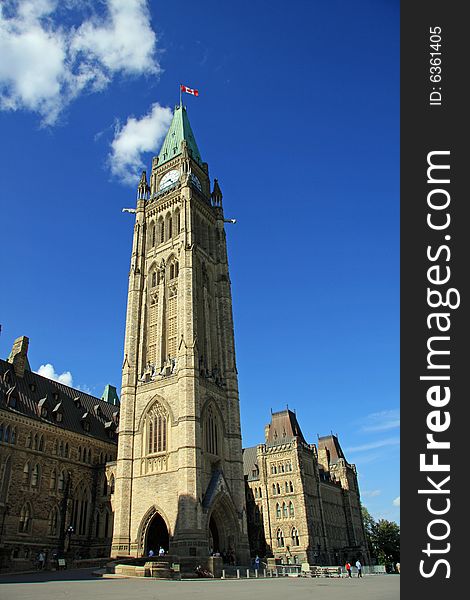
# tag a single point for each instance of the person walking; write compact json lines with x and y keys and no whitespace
{"x":151,"y":553}
{"x":257,"y":562}
{"x":359,"y":568}
{"x":348,"y":568}
{"x":41,"y":560}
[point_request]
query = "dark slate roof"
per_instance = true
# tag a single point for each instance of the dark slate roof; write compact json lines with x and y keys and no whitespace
{"x":249,"y":462}
{"x":331,"y":443}
{"x":283,"y":428}
{"x":76,"y":406}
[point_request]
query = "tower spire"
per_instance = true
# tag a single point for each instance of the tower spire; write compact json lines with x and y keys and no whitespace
{"x":180,"y":129}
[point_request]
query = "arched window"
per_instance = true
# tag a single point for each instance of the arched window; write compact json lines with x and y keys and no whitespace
{"x":53,"y":483}
{"x":156,"y":425}
{"x":278,"y":488}
{"x":212,"y":432}
{"x":286,"y":485}
{"x":36,"y":441}
{"x":168,"y":227}
{"x":280,"y":538}
{"x":105,"y":486}
{"x":178,"y":221}
{"x":66,"y":450}
{"x":174,"y":269}
{"x":260,"y":493}
{"x":61,"y":483}
{"x":29,"y":440}
{"x":278,"y":510}
{"x":153,"y":235}
{"x":161,"y":229}
{"x":291,"y":486}
{"x":284,"y":509}
{"x":80,"y":453}
{"x":41,"y":444}
{"x":5,"y":473}
{"x":295,"y":537}
{"x":89,"y":456}
{"x":13,"y":436}
{"x":35,"y":476}
{"x":26,"y":474}
{"x":171,"y":313}
{"x":291,"y":509}
{"x":54,"y":522}
{"x":24,"y":525}
{"x":7,"y":434}
{"x":80,"y":510}
{"x":274,"y":489}
{"x":61,"y":448}
{"x":153,"y":279}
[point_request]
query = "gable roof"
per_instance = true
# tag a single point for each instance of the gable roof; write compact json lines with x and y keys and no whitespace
{"x":33,"y":392}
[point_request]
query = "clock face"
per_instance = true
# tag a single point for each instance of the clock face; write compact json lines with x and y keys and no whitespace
{"x":169,"y":179}
{"x":196,"y":182}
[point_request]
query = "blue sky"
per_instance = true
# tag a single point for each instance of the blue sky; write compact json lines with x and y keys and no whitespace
{"x":298,"y":118}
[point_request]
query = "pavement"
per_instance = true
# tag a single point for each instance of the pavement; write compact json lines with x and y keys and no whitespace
{"x":78,"y":584}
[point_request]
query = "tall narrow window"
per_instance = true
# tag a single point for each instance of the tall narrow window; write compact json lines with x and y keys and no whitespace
{"x":156,"y":424}
{"x":26,"y":473}
{"x":284,"y":510}
{"x":278,"y":510}
{"x":212,"y":432}
{"x":171,"y":322}
{"x":291,"y":509}
{"x":54,"y":522}
{"x":152,"y":331}
{"x":61,"y":483}
{"x":161,"y":230}
{"x":295,"y":537}
{"x":35,"y":476}
{"x":24,"y":525}
{"x":280,"y":538}
{"x":53,"y":484}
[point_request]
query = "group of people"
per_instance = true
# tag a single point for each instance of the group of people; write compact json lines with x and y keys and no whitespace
{"x":358,"y":567}
{"x":161,"y":552}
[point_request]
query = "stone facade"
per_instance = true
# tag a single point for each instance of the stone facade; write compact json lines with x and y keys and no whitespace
{"x":303,"y":500}
{"x":179,"y":472}
{"x":54,"y":445}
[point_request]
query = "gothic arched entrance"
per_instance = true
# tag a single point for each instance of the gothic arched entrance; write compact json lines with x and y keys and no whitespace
{"x":156,"y":535}
{"x":223,"y":528}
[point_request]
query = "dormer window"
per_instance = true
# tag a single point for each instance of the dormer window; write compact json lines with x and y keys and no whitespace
{"x":77,"y":402}
{"x":42,"y":405}
{"x":32,"y":387}
{"x":86,"y":422}
{"x":55,"y":395}
{"x":57,"y":412}
{"x":98,"y":411}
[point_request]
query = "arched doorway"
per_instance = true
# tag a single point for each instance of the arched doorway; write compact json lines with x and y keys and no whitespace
{"x":222,"y":528}
{"x":214,"y":539}
{"x":156,"y":535}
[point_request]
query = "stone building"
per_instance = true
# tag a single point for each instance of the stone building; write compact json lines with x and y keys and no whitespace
{"x":179,"y":473}
{"x":303,"y":502}
{"x":54,"y":444}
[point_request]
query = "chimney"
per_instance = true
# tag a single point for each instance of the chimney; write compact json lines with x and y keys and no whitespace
{"x":19,"y":356}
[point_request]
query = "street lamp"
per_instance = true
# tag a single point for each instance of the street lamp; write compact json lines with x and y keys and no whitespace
{"x":69,"y":532}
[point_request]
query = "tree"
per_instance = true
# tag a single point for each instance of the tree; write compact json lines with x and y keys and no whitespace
{"x":383,"y":538}
{"x":386,"y":542}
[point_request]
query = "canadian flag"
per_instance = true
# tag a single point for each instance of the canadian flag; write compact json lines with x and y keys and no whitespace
{"x":189,"y":90}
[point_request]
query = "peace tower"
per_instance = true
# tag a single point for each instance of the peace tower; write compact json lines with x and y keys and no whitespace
{"x":179,"y":471}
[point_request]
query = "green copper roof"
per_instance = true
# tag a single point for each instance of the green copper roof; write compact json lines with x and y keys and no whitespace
{"x":110,"y":395}
{"x":180,"y":130}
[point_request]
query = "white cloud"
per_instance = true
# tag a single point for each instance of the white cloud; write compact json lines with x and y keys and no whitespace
{"x":396,"y":502}
{"x":48,"y":371}
{"x":371,"y":493}
{"x":382,"y":421}
{"x":136,"y":137}
{"x":373,"y":445}
{"x":45,"y":63}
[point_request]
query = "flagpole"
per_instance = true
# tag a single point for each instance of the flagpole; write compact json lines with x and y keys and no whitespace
{"x":181,"y":100}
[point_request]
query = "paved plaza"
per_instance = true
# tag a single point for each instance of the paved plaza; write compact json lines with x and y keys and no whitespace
{"x":80,"y":584}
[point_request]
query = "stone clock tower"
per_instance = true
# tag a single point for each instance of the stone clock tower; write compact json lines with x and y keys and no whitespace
{"x":179,"y":472}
